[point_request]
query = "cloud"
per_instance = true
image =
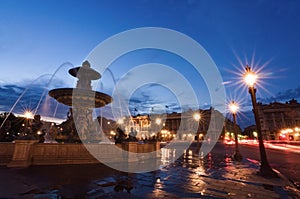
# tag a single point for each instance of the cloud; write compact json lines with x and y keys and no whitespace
{"x":146,"y":91}
{"x":153,"y":98}
{"x":20,"y":98}
{"x":283,"y":96}
{"x":146,"y":100}
{"x":247,"y":118}
{"x":150,"y":98}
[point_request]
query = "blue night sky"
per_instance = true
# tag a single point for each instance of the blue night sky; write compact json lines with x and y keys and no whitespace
{"x":36,"y":37}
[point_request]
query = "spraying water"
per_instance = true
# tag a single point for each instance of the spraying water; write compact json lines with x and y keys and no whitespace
{"x":47,"y":85}
{"x":20,"y":97}
{"x":55,"y":110}
{"x":119,"y":96}
{"x":44,"y":92}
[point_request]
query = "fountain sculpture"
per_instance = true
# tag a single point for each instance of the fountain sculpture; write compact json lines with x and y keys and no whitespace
{"x":82,"y":99}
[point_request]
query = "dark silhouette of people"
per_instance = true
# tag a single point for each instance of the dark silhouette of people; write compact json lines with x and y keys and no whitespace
{"x":132,"y":135}
{"x":120,"y":136}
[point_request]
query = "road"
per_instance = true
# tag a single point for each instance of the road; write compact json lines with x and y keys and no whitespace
{"x":285,"y":161}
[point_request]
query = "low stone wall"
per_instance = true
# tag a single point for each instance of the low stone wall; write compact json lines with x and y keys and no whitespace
{"x":147,"y":147}
{"x":55,"y":153}
{"x":24,"y":153}
{"x":6,"y":152}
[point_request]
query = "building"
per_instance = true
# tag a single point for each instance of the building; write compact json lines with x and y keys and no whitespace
{"x":209,"y":124}
{"x":189,"y":125}
{"x":251,"y":132}
{"x":230,"y":128}
{"x":280,"y":120}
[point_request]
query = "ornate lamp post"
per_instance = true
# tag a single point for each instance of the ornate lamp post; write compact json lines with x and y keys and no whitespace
{"x":158,"y":121}
{"x":233,"y":107}
{"x":197,"y":118}
{"x":265,"y":169}
{"x":157,"y":127}
{"x":28,"y":116}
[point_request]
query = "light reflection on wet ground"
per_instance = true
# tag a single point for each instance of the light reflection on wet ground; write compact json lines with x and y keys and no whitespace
{"x":190,"y":176}
{"x":194,"y":176}
{"x":181,"y":179}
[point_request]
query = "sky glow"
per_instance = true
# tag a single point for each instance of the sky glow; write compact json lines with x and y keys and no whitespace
{"x":38,"y":37}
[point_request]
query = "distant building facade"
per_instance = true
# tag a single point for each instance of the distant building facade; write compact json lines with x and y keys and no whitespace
{"x":280,"y":120}
{"x":183,"y":126}
{"x":209,"y":125}
{"x":251,"y":132}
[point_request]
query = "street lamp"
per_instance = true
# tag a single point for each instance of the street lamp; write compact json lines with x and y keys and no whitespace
{"x":233,"y":107}
{"x":28,"y":116}
{"x":157,"y":128}
{"x":197,"y":118}
{"x":158,"y":121}
{"x":250,"y":79}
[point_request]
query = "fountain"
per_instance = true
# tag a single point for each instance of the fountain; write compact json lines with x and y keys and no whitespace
{"x":82,"y":99}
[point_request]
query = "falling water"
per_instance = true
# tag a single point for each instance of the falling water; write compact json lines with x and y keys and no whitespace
{"x":50,"y":80}
{"x":28,"y":86}
{"x":118,"y":94}
{"x":55,"y":110}
{"x":19,"y":98}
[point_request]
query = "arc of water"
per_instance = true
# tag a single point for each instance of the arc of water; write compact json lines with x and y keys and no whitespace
{"x":119,"y":96}
{"x":19,"y":98}
{"x":47,"y":85}
{"x":101,"y":122}
{"x":55,"y":109}
{"x":115,"y":83}
{"x":28,"y":86}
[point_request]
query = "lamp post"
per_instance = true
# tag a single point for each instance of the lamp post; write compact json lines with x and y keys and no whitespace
{"x":233,"y":107}
{"x":28,"y":116}
{"x":197,"y":118}
{"x":158,"y":121}
{"x":265,"y":169}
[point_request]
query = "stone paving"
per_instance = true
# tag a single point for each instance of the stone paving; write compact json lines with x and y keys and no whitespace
{"x":214,"y":176}
{"x":189,"y":181}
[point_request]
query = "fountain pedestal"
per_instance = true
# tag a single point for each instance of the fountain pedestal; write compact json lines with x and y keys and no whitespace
{"x":82,"y":99}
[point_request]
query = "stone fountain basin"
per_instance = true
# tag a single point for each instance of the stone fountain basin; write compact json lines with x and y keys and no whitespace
{"x":80,"y":97}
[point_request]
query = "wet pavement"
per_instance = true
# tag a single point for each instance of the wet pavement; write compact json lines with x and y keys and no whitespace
{"x":191,"y":176}
{"x":285,"y":158}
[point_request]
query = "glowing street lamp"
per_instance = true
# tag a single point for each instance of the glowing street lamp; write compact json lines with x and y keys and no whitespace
{"x":28,"y":114}
{"x":158,"y":121}
{"x":250,"y":79}
{"x":27,"y":127}
{"x":120,"y":121}
{"x":197,"y":118}
{"x":233,"y":107}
